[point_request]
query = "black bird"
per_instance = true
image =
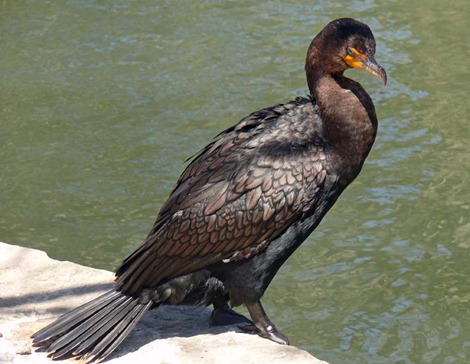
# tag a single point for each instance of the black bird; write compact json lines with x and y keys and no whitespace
{"x":243,"y":205}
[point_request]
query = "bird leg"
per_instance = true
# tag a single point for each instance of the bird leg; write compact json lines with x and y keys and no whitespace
{"x":262,"y":325}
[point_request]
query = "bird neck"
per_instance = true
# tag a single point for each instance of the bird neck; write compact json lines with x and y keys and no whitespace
{"x":348,"y":115}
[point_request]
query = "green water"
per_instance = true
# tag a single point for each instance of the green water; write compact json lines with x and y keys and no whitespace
{"x":102,"y":102}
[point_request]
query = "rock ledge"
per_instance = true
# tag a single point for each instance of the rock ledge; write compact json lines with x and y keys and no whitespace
{"x":35,"y":289}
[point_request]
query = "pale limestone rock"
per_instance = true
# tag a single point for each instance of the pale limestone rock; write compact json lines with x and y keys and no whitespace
{"x":35,"y":289}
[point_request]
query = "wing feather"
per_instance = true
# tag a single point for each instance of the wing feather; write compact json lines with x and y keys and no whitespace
{"x":235,"y":197}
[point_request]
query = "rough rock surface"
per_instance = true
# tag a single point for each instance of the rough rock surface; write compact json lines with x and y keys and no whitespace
{"x":35,"y":289}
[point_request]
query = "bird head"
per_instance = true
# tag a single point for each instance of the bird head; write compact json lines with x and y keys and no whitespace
{"x":342,"y":44}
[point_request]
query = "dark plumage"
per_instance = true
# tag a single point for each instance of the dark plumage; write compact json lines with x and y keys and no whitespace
{"x":243,"y":204}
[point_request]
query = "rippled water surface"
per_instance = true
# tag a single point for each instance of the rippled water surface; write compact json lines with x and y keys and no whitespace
{"x":102,"y":102}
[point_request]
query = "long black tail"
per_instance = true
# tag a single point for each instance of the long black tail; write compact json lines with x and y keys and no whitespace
{"x":92,"y":331}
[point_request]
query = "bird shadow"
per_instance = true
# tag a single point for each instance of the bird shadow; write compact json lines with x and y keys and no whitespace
{"x":164,"y":322}
{"x":167,"y":322}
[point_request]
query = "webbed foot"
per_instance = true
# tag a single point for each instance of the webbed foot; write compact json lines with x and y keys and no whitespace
{"x":263,"y":326}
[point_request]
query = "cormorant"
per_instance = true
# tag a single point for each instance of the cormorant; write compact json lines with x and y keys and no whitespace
{"x":243,"y":205}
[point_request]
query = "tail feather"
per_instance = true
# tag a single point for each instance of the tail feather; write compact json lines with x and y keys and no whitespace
{"x":93,"y":330}
{"x":92,"y":324}
{"x":115,"y":337}
{"x":93,"y":336}
{"x":72,"y":318}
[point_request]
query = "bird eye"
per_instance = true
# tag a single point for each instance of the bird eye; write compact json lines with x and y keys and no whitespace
{"x":349,"y":51}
